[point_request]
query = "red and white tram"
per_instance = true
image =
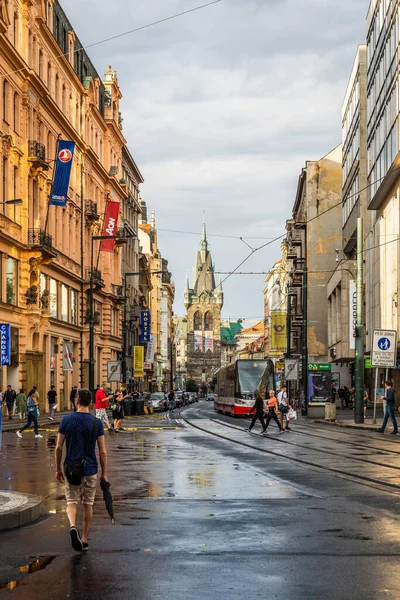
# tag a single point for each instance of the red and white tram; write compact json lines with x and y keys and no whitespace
{"x":237,"y":382}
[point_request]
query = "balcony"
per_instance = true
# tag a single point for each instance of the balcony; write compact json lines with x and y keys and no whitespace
{"x":299,"y":265}
{"x":297,"y":280}
{"x":94,"y":275}
{"x":91,"y":212}
{"x":296,"y":237}
{"x":37,"y":156}
{"x":38,"y":239}
{"x":291,"y":252}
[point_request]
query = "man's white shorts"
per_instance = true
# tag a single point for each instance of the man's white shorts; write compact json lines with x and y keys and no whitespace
{"x":85,"y":492}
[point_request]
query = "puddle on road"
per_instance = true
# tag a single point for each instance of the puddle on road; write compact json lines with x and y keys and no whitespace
{"x":38,"y":564}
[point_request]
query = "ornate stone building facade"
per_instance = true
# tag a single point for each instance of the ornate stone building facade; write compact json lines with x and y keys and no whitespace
{"x":203,"y":302}
{"x":50,"y":89}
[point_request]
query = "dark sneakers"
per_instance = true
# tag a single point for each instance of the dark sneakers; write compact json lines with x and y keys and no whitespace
{"x":76,"y":541}
{"x":85,"y":546}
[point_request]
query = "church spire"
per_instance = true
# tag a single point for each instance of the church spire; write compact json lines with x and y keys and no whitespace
{"x":203,"y":242}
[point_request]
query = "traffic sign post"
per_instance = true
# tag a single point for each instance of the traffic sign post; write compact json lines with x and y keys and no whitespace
{"x":384,"y":348}
{"x":291,"y":369}
{"x":114,"y":371}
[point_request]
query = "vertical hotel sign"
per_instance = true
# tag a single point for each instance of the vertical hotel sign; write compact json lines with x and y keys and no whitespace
{"x":62,"y":173}
{"x":110,"y":226}
{"x":352,"y":314}
{"x":5,"y":340}
{"x":145,"y":326}
{"x":138,"y":361}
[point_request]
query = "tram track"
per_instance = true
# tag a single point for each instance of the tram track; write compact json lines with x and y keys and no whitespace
{"x":365,"y":480}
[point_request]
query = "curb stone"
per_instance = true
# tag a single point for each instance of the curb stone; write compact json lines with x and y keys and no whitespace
{"x":24,"y":509}
{"x":348,"y":425}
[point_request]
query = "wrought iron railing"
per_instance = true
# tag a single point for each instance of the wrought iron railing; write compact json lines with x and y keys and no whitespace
{"x":94,"y":274}
{"x":36,"y":150}
{"x":91,"y":209}
{"x":38,"y":238}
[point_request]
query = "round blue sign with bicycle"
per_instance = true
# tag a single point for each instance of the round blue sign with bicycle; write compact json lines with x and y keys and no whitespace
{"x":384,"y":344}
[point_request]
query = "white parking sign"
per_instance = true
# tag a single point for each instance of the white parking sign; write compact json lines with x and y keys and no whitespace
{"x":384,"y":348}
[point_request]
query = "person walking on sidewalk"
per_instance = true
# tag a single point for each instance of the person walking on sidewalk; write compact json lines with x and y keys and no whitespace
{"x":272,"y":406}
{"x":101,"y":405}
{"x":81,"y":431}
{"x":284,"y":406}
{"x":259,"y":414}
{"x":366,"y":402}
{"x":32,"y":414}
{"x":20,"y":404}
{"x":72,"y":397}
{"x":9,"y":398}
{"x":52,"y":398}
{"x":390,"y":397}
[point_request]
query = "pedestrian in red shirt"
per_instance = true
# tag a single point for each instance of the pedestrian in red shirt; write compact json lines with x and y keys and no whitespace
{"x":101,"y":404}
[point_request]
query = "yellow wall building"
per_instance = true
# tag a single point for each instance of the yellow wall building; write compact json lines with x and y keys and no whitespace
{"x":50,"y":89}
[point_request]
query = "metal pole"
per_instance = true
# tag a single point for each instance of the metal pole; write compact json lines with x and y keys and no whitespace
{"x":304,"y":407}
{"x":359,"y":359}
{"x":124,"y":328}
{"x":288,"y":336}
{"x":171,"y":347}
{"x":375,"y":392}
{"x":91,"y":324}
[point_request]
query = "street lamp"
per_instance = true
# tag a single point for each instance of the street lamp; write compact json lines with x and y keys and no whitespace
{"x":13,"y":202}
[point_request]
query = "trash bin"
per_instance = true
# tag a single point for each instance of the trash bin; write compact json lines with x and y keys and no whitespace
{"x":129,"y":406}
{"x":330,"y":412}
{"x":139,"y":407}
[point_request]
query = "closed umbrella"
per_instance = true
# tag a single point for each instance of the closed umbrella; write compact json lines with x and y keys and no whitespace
{"x":107,"y":497}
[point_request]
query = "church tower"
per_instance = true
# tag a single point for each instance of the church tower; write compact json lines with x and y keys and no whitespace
{"x":203,"y":302}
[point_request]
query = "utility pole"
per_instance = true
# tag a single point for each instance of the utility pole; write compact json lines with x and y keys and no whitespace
{"x":288,"y":335}
{"x":359,"y":359}
{"x":304,"y":406}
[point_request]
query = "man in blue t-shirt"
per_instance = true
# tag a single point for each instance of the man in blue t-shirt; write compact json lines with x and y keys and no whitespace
{"x":390,"y":397}
{"x":75,"y":430}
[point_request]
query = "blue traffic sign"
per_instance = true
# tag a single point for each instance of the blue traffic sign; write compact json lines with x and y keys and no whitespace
{"x":384,"y":344}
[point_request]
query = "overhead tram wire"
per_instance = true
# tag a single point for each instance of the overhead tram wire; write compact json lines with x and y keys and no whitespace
{"x":125,"y":33}
{"x":309,"y":221}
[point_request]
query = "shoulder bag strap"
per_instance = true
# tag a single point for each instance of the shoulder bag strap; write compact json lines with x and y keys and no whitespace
{"x":90,"y":439}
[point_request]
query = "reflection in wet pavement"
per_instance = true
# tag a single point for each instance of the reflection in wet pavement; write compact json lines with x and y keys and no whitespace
{"x":199,"y":518}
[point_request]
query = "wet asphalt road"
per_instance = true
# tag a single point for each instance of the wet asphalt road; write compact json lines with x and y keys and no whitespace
{"x":200,"y":517}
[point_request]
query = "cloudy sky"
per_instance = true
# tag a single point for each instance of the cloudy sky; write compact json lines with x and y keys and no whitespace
{"x":222,"y":107}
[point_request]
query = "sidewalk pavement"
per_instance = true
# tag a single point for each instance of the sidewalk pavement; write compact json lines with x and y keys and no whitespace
{"x":345,"y":418}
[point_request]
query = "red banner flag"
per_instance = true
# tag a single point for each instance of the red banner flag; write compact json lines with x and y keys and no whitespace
{"x":110,"y":226}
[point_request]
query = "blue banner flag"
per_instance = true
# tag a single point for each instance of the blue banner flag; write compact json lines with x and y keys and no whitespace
{"x":145,"y":326}
{"x":59,"y":189}
{"x":5,"y":342}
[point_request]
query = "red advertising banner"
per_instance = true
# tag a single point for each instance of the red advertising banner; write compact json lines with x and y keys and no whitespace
{"x":110,"y":226}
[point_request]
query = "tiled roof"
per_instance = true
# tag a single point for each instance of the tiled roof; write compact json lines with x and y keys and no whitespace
{"x":258,"y":328}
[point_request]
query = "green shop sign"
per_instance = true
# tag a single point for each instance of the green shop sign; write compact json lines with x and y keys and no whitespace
{"x":319,"y":367}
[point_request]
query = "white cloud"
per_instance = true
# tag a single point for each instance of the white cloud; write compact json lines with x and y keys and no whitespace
{"x":221,"y":109}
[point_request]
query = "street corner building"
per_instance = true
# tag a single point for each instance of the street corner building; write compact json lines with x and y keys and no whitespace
{"x":203,"y":303}
{"x":49,"y":254}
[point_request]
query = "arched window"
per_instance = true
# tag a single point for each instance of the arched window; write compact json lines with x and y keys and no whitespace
{"x":40,"y":66}
{"x":5,"y":100}
{"x":16,"y":31}
{"x":208,"y":321}
{"x":198,"y":322}
{"x":49,"y":76}
{"x":64,"y":100}
{"x":16,"y":112}
{"x":57,"y":90}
